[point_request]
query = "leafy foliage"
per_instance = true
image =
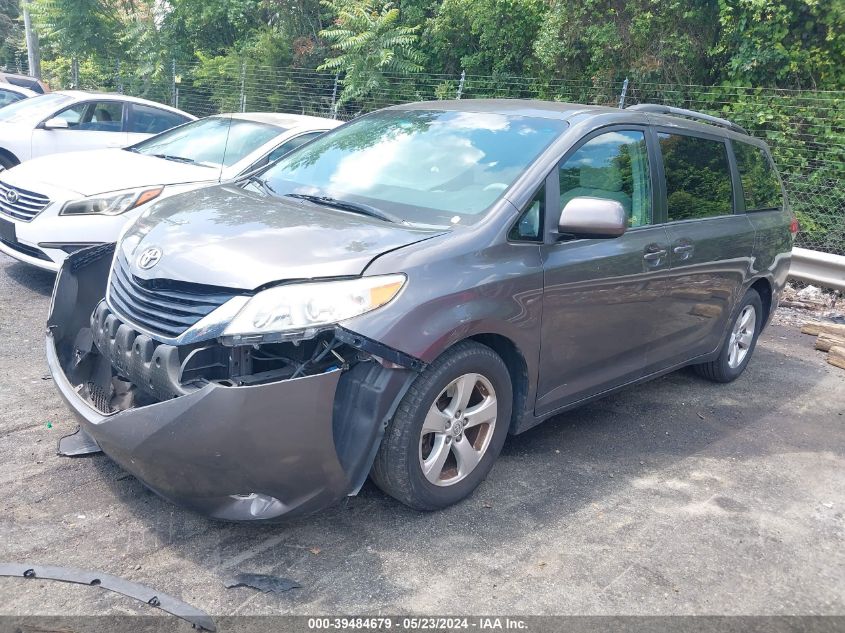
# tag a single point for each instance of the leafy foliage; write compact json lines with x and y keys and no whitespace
{"x":799,"y":43}
{"x":572,"y":50}
{"x":663,"y":40}
{"x":484,"y":37}
{"x":368,"y":42}
{"x":9,"y":28}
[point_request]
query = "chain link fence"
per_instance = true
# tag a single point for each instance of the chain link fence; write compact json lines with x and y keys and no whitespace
{"x":805,"y":129}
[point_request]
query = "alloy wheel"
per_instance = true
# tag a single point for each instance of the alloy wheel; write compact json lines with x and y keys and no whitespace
{"x":457,"y":429}
{"x":742,"y":336}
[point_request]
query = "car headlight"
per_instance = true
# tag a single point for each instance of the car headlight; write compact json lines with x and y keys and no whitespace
{"x":303,"y":309}
{"x":111,"y":205}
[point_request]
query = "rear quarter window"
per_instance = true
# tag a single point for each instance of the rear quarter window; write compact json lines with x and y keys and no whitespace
{"x":760,"y":185}
{"x":698,"y":177}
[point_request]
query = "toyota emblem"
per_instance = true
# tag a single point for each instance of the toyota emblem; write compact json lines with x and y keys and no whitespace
{"x":149,"y":258}
{"x":11,"y":196}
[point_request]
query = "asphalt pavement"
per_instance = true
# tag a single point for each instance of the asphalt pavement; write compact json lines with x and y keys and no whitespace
{"x":678,"y":496}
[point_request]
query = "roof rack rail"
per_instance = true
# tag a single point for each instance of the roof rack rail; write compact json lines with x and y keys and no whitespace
{"x":692,"y":114}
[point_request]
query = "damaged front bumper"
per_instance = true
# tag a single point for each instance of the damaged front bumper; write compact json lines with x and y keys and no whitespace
{"x":226,"y":449}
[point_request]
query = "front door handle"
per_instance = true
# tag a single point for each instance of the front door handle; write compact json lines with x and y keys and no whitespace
{"x":684,"y":250}
{"x":655,"y":256}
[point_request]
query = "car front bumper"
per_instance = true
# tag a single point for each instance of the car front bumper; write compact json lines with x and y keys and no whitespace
{"x":236,"y":453}
{"x":257,"y":452}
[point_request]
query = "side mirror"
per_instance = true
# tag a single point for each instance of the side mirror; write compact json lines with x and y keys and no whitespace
{"x":55,"y":124}
{"x":593,"y":218}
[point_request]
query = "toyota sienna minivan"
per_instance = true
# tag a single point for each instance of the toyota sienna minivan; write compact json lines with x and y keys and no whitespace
{"x":397,"y":296}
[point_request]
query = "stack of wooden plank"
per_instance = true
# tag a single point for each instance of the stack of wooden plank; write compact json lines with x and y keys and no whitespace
{"x":831,"y":339}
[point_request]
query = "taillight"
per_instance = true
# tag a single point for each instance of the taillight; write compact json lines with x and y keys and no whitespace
{"x":793,"y":226}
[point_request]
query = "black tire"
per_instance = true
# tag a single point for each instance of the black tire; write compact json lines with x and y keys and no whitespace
{"x":397,"y":469}
{"x":720,"y":370}
{"x":6,"y":162}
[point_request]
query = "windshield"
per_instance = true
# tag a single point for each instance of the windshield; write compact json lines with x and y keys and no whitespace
{"x":215,"y":141}
{"x":39,"y":107}
{"x":423,"y":166}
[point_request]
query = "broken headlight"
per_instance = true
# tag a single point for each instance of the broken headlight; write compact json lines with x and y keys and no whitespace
{"x":303,"y":309}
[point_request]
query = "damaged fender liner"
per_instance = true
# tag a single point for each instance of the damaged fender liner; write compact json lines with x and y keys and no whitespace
{"x":199,"y":619}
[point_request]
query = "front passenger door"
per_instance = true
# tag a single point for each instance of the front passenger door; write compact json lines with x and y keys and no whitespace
{"x":600,"y":295}
{"x":91,"y":125}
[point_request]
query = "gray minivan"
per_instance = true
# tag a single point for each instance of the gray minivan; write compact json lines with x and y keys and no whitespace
{"x":398,"y":295}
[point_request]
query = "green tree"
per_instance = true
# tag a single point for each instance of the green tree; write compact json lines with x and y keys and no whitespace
{"x":210,"y":27}
{"x":645,"y":40}
{"x":77,"y":28}
{"x":10,"y":30}
{"x":484,"y":37}
{"x":787,"y":43}
{"x":368,"y":43}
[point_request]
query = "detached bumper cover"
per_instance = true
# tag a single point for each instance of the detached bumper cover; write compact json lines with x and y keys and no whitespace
{"x":271,"y":445}
{"x":233,"y":452}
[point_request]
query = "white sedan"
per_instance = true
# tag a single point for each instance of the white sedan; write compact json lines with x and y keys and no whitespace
{"x":55,"y":205}
{"x":71,"y":120}
{"x":9,"y":93}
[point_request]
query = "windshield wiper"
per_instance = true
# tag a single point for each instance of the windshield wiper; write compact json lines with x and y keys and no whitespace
{"x":179,"y":159}
{"x":346,"y":205}
{"x":261,"y":183}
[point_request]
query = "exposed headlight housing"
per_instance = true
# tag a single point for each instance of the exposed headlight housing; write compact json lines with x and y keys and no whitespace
{"x":111,"y":205}
{"x":300,"y":310}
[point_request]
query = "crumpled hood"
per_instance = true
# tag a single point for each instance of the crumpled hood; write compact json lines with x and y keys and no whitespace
{"x":99,"y":171}
{"x":227,"y":236}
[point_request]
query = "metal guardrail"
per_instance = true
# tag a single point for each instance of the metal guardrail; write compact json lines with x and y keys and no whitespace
{"x":820,"y":269}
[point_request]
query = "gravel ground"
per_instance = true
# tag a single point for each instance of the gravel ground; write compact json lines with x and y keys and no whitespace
{"x":675,"y":497}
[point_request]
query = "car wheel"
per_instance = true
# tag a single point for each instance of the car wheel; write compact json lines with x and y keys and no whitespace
{"x":448,"y":429}
{"x":6,"y":162}
{"x":740,"y":342}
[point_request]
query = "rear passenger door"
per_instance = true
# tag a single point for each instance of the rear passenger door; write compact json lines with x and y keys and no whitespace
{"x":599,"y":295}
{"x":711,"y":243}
{"x":146,"y":121}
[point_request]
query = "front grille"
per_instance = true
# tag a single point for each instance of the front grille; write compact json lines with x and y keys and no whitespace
{"x":20,"y":203}
{"x":161,"y":307}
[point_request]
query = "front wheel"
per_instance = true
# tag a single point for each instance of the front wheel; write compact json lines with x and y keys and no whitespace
{"x":448,"y":429}
{"x":6,"y":162}
{"x":740,"y":342}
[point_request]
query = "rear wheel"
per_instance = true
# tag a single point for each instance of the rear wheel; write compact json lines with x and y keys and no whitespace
{"x":448,"y":429}
{"x":739,"y":344}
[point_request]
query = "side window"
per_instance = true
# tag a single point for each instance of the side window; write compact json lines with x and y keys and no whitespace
{"x":292,"y":144}
{"x":99,"y":116}
{"x":103,"y":116}
{"x":147,"y":120}
{"x":7,"y":97}
{"x":73,"y":115}
{"x":614,"y":166}
{"x":760,"y":185}
{"x":529,"y":227}
{"x":698,"y":177}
